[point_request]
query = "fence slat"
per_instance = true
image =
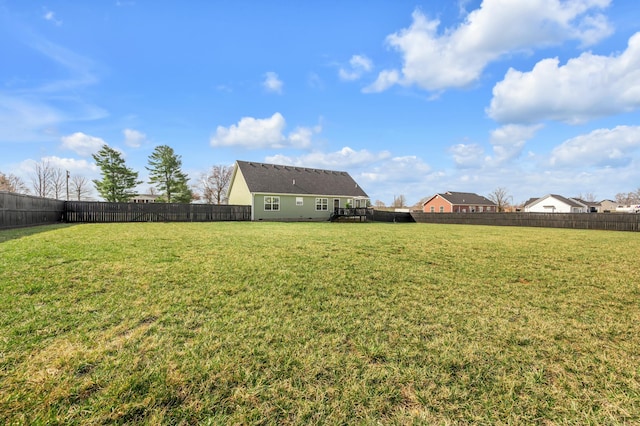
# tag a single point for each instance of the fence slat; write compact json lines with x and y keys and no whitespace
{"x":601,"y":221}
{"x":17,"y":210}
{"x":103,"y":212}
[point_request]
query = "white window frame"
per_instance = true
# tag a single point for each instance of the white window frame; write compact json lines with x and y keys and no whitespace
{"x":271,"y":201}
{"x":322,"y":204}
{"x":299,"y":201}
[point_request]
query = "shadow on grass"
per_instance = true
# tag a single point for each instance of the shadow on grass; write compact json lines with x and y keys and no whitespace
{"x":15,"y":233}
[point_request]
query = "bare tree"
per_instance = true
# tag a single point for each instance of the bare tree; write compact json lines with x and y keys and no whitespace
{"x":80,"y":188}
{"x":501,"y":197}
{"x":399,"y":201}
{"x":379,"y":204}
{"x":12,"y":183}
{"x":420,"y":203}
{"x":628,"y":198}
{"x":41,"y":179}
{"x":58,"y":184}
{"x":589,"y":197}
{"x":214,"y":184}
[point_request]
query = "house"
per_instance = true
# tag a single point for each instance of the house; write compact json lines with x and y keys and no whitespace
{"x":607,"y":206}
{"x":553,"y":203}
{"x":458,"y":202}
{"x":628,"y":208}
{"x":277,"y":192}
{"x":592,"y":206}
{"x":144,"y":198}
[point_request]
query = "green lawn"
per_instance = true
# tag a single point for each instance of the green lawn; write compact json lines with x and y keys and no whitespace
{"x":318,"y":323}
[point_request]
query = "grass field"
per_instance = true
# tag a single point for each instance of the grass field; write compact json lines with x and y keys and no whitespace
{"x":318,"y":323}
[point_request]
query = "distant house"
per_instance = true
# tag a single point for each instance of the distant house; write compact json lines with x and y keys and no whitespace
{"x":592,"y":206}
{"x":277,"y":192}
{"x":553,"y":203}
{"x":145,"y":198}
{"x":458,"y":202}
{"x":628,"y":208}
{"x":607,"y":206}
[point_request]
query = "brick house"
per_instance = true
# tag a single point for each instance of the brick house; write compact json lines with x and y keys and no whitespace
{"x":458,"y":202}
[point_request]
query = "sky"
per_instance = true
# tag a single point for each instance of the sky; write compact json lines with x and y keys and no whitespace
{"x":412,"y":98}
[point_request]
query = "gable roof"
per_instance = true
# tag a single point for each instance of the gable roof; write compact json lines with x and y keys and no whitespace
{"x":587,"y":203}
{"x":464,"y":198}
{"x":530,"y":201}
{"x":568,"y":201}
{"x":277,"y":179}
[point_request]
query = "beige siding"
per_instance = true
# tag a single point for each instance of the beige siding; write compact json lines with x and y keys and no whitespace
{"x":239,"y":191}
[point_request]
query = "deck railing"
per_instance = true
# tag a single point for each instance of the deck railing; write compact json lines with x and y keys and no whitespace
{"x":360,"y":213}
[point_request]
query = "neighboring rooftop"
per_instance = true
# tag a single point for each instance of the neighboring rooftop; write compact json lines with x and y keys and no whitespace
{"x":466,"y":198}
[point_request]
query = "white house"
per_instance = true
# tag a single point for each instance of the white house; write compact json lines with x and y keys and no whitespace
{"x":145,"y":198}
{"x":629,"y":208}
{"x":553,"y":203}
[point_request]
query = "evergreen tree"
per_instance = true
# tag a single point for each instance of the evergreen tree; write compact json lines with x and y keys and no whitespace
{"x":165,"y":172}
{"x":118,"y":180}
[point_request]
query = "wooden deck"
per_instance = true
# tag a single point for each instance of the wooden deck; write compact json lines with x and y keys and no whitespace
{"x":351,"y":214}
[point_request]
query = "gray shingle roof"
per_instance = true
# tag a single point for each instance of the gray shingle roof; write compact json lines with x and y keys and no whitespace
{"x":466,"y":198}
{"x":277,"y":179}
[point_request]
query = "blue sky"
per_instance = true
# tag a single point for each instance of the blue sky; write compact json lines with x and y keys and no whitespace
{"x":411,"y":98}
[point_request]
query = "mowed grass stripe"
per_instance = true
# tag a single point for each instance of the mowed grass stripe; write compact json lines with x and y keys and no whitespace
{"x":318,"y":323}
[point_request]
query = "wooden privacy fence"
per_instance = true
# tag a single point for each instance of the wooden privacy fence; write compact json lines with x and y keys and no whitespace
{"x":102,"y":212}
{"x":387,"y":216}
{"x":17,"y":210}
{"x":602,"y":221}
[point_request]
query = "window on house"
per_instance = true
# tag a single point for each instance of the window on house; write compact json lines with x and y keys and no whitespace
{"x":299,"y":201}
{"x":433,"y":209}
{"x":271,"y":203}
{"x":322,"y":204}
{"x":441,"y":209}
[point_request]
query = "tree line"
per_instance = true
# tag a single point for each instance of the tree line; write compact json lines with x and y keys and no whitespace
{"x":117,"y":181}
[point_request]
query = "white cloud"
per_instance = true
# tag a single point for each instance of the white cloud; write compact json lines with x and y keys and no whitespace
{"x":82,"y":144}
{"x":301,"y":136}
{"x":315,"y":81}
{"x":71,"y":164}
{"x":80,"y":68}
{"x":600,"y":148}
{"x":252,"y":133}
{"x":26,"y":119}
{"x":508,"y":141}
{"x":396,"y":169}
{"x":272,"y":83}
{"x":134,"y":138}
{"x":337,"y":160}
{"x":457,"y":56}
{"x":34,"y":113}
{"x":605,"y":84}
{"x":51,"y":17}
{"x":358,"y":65}
{"x":386,"y":79}
{"x":467,"y":155}
{"x":256,"y":133}
{"x":77,"y":167}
